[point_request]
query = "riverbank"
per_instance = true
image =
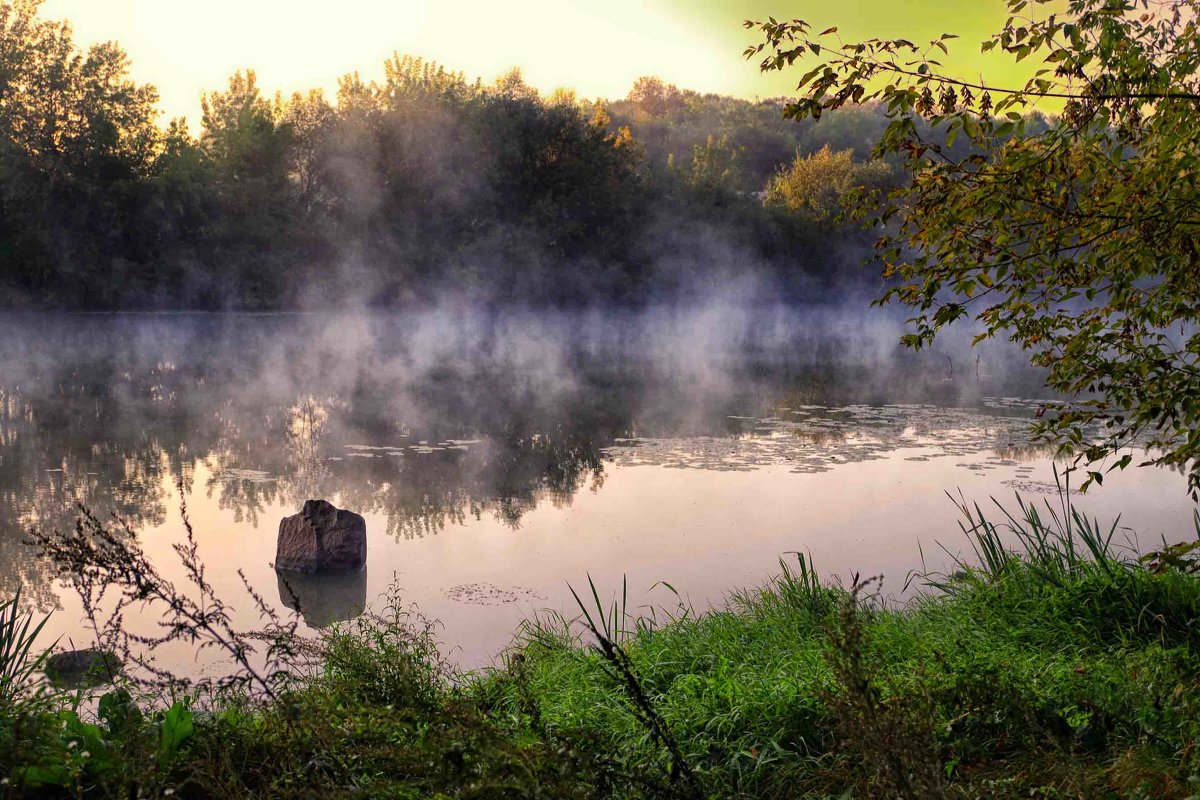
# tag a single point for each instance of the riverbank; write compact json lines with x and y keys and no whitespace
{"x":1062,"y":667}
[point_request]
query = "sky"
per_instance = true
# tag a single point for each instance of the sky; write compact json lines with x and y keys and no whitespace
{"x":596,"y":47}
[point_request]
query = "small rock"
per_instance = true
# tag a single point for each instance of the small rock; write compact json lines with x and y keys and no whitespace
{"x":321,"y":538}
{"x":80,"y":668}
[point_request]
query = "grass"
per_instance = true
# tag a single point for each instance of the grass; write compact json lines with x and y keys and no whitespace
{"x":1050,"y":664}
{"x":19,"y":665}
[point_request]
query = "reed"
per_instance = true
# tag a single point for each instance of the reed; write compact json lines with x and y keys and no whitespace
{"x":19,"y":662}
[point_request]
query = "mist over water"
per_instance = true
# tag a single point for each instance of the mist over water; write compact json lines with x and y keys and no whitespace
{"x":498,"y":455}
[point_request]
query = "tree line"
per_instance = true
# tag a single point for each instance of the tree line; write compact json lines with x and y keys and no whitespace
{"x":393,"y":191}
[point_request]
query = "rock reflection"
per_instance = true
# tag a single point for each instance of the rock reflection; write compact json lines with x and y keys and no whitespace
{"x":323,"y":600}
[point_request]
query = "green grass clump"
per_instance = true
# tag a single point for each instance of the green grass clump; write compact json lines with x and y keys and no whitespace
{"x":1060,"y":668}
{"x":1054,"y":666}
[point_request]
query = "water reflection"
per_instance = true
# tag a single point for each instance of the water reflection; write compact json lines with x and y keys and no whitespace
{"x":323,"y":600}
{"x":430,"y":425}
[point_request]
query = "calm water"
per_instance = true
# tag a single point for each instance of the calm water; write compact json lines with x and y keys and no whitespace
{"x":496,"y":458}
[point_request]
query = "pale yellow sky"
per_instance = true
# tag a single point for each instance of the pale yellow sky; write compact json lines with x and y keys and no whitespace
{"x":597,"y":47}
{"x":186,"y":48}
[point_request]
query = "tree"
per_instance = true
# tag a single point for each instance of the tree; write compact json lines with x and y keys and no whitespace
{"x":1079,"y":238}
{"x":716,"y":166}
{"x":512,"y":86}
{"x":240,"y":130}
{"x":653,"y":98}
{"x":77,"y":137}
{"x":72,"y":113}
{"x":818,"y":185}
{"x":311,"y":120}
{"x":250,"y":147}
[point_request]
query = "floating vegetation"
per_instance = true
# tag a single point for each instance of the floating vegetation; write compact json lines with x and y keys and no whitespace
{"x":245,"y":475}
{"x":1017,"y":403}
{"x":424,"y":447}
{"x":816,"y":438}
{"x":374,"y":451}
{"x":1036,"y":487}
{"x":489,"y":594}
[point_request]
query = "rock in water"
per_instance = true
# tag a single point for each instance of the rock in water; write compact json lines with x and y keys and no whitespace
{"x":77,"y":669}
{"x":321,"y":538}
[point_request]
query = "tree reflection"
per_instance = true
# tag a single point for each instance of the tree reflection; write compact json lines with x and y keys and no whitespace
{"x":113,"y":413}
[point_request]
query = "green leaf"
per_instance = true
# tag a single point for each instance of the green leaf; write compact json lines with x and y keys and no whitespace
{"x":44,"y":775}
{"x":175,"y":729}
{"x":120,"y":714}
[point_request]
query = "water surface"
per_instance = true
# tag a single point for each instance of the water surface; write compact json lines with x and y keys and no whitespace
{"x":498,"y":456}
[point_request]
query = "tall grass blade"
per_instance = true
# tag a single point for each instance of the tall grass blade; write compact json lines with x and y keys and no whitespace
{"x":17,"y":664}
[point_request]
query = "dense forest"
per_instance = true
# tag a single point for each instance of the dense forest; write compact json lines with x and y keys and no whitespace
{"x":423,"y":185}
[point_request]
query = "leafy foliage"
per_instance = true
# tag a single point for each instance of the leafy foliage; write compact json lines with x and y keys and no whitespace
{"x":1079,"y":240}
{"x":673,"y":125}
{"x":821,"y":184}
{"x":715,"y":166}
